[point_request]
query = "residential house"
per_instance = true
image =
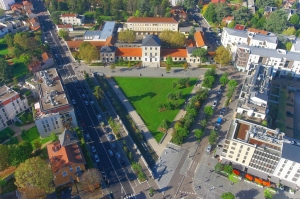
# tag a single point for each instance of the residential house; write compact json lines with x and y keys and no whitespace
{"x":73,"y":19}
{"x":66,"y":158}
{"x":17,"y":7}
{"x":257,"y":31}
{"x":35,"y":66}
{"x":151,"y":25}
{"x":296,"y":46}
{"x":11,"y":104}
{"x":199,"y":39}
{"x":128,"y":53}
{"x":176,"y":54}
{"x":186,"y":30}
{"x":269,"y":9}
{"x":27,"y":5}
{"x":5,"y":4}
{"x":47,"y":60}
{"x":67,"y":27}
{"x":34,"y":23}
{"x":227,"y":20}
{"x":179,"y":14}
{"x":232,"y":37}
{"x":290,"y":12}
{"x":53,"y":112}
{"x":31,"y":14}
{"x":283,"y":63}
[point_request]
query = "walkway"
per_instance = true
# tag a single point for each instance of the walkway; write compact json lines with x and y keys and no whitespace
{"x":18,"y":130}
{"x":158,"y":148}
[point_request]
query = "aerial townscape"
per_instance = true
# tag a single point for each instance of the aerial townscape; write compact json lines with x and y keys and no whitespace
{"x":140,"y":99}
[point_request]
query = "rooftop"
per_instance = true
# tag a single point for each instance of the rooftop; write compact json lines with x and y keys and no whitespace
{"x":129,"y":52}
{"x":291,"y":152}
{"x":6,"y":93}
{"x":262,"y":32}
{"x":151,"y":20}
{"x":67,"y":137}
{"x":107,"y":30}
{"x":239,"y":27}
{"x":151,"y":40}
{"x":68,"y":15}
{"x":52,"y":95}
{"x":107,"y":49}
{"x":199,"y":39}
{"x":46,"y":56}
{"x":173,"y":52}
{"x":65,"y":26}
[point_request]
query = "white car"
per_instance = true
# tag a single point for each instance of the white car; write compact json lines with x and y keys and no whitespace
{"x":110,"y":137}
{"x":208,"y":149}
{"x":96,"y":158}
{"x":110,"y":153}
{"x":99,"y":117}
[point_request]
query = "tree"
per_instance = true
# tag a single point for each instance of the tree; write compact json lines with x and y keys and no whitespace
{"x":4,"y":157}
{"x":99,"y":93}
{"x":199,"y":52}
{"x":208,"y":81}
{"x":219,"y":167}
{"x":151,"y":192}
{"x":224,"y":79}
{"x":232,"y":83}
{"x":289,"y":31}
{"x":63,"y":33}
{"x":203,"y":123}
{"x":222,"y":55}
{"x":2,"y":12}
{"x":55,"y":17}
{"x":210,"y":72}
{"x":208,"y":110}
{"x":276,"y":22}
{"x":264,"y":3}
{"x":227,"y":195}
{"x":168,"y":68}
{"x":25,"y":58}
{"x":88,"y":52}
{"x":228,"y":169}
{"x":18,"y":153}
{"x":32,"y":192}
{"x":169,"y":60}
{"x":9,"y":40}
{"x":189,"y":4}
{"x":112,"y":67}
{"x":37,"y":144}
{"x":192,"y":32}
{"x":91,"y":179}
{"x":164,"y":125}
{"x":231,"y":24}
{"x":222,"y":10}
{"x":268,"y":194}
{"x":53,"y":137}
{"x":5,"y":71}
{"x":21,"y":40}
{"x":199,"y":133}
{"x":35,"y":172}
{"x":242,"y":15}
{"x":210,"y":14}
{"x":288,"y":45}
{"x":172,"y":39}
{"x":185,"y":66}
{"x":294,"y":19}
{"x":127,"y":36}
{"x":212,"y":138}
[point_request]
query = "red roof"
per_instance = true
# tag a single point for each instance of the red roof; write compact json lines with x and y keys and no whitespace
{"x":263,"y":32}
{"x":199,"y":39}
{"x":239,"y":27}
{"x":129,"y":52}
{"x":227,"y":19}
{"x":16,"y":5}
{"x":218,"y":1}
{"x":68,"y":15}
{"x":65,"y":26}
{"x":173,"y":52}
{"x":151,"y":20}
{"x":45,"y":56}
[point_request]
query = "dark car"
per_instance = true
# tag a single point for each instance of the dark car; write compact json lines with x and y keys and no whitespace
{"x":122,"y":163}
{"x":288,"y":113}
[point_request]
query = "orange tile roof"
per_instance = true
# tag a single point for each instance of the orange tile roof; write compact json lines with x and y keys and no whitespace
{"x":263,"y":32}
{"x":16,"y":5}
{"x":68,"y":15}
{"x":64,"y":156}
{"x":34,"y":64}
{"x":239,"y":27}
{"x":228,"y":18}
{"x":110,"y":41}
{"x":45,"y":56}
{"x":65,"y":26}
{"x":76,"y":44}
{"x":173,"y":52}
{"x":199,"y":39}
{"x":211,"y":53}
{"x":151,"y":20}
{"x":190,"y":43}
{"x":129,"y":52}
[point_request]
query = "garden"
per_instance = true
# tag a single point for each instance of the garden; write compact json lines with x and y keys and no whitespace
{"x":6,"y":134}
{"x":152,"y":104}
{"x":32,"y":136}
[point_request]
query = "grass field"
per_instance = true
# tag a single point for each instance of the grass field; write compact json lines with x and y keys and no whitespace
{"x":145,"y":94}
{"x":3,"y":49}
{"x":32,"y":134}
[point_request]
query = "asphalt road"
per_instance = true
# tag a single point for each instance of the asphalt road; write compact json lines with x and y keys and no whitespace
{"x":119,"y":185}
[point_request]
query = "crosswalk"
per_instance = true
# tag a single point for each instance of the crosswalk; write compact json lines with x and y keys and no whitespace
{"x":186,"y":192}
{"x":68,"y":77}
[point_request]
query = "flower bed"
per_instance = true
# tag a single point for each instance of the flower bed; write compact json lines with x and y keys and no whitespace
{"x":249,"y":177}
{"x":258,"y":181}
{"x":266,"y":183}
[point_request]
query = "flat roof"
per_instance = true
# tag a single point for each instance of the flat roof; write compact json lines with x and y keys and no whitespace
{"x":6,"y":93}
{"x":108,"y":29}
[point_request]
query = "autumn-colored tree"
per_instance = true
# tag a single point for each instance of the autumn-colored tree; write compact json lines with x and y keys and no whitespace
{"x":31,"y":192}
{"x":222,"y":55}
{"x":127,"y":36}
{"x":91,"y":179}
{"x":88,"y":52}
{"x":173,"y":39}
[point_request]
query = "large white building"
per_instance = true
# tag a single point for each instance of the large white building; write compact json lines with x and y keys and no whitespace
{"x":11,"y":104}
{"x":151,"y":50}
{"x":73,"y":19}
{"x":151,"y":25}
{"x":53,"y":112}
{"x":232,"y":37}
{"x":100,"y":35}
{"x":5,"y":4}
{"x":262,"y":152}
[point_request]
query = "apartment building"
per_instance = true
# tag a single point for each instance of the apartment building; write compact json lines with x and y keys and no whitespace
{"x":11,"y":104}
{"x":5,"y":4}
{"x":254,"y":96}
{"x":151,"y":25}
{"x":72,"y":19}
{"x":66,"y":158}
{"x":232,"y":37}
{"x":262,"y":152}
{"x":282,"y":61}
{"x":53,"y":112}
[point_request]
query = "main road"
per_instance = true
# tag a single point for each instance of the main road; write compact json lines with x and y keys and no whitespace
{"x":119,"y":185}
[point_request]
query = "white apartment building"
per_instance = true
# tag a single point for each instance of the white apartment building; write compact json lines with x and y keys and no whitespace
{"x":296,"y":46}
{"x":151,"y":25}
{"x":53,"y":112}
{"x":73,"y":19}
{"x":151,"y":50}
{"x":262,"y":152}
{"x":11,"y":104}
{"x":232,"y":37}
{"x":5,"y":4}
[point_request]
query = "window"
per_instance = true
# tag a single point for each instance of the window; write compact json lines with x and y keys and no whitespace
{"x":232,"y":152}
{"x":233,"y":148}
{"x":285,"y":176}
{"x":71,"y":168}
{"x":241,"y":146}
{"x":294,"y":179}
{"x":3,"y":110}
{"x":145,"y":54}
{"x":64,"y":174}
{"x":230,"y":156}
{"x":237,"y":159}
{"x":78,"y":168}
{"x":248,"y":149}
{"x":13,"y":104}
{"x":234,"y":143}
{"x":243,"y":161}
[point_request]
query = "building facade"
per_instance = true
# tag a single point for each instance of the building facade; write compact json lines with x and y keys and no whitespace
{"x":73,"y":19}
{"x":151,"y":25}
{"x":53,"y":112}
{"x":5,"y":4}
{"x":11,"y":104}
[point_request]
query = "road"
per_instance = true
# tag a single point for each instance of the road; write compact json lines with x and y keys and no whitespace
{"x":118,"y":182}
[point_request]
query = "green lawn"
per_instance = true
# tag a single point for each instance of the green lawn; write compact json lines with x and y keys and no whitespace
{"x":19,"y":69}
{"x":145,"y":94}
{"x":32,"y":134}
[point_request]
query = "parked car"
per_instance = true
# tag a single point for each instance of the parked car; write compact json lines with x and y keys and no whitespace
{"x":118,"y":155}
{"x":214,"y":104}
{"x":96,"y":158}
{"x":86,"y":102}
{"x":83,"y":96}
{"x":113,"y":145}
{"x":87,"y":136}
{"x":73,"y":102}
{"x":110,"y":153}
{"x":110,"y":137}
{"x":219,"y":92}
{"x":208,"y":148}
{"x":99,"y":116}
{"x":123,"y":164}
{"x":93,"y":149}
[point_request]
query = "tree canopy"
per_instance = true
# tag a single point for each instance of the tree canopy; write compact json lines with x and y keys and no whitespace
{"x":127,"y":36}
{"x":35,"y":172}
{"x":4,"y":157}
{"x":289,"y":31}
{"x":88,"y":52}
{"x":173,"y":39}
{"x":212,"y":138}
{"x":277,"y":21}
{"x":210,"y":13}
{"x":91,"y":178}
{"x":264,"y":3}
{"x":242,"y":15}
{"x":222,"y":55}
{"x":222,"y":10}
{"x":294,"y":19}
{"x":63,"y":33}
{"x":5,"y":71}
{"x":227,"y":195}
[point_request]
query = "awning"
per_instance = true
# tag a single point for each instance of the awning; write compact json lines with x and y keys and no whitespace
{"x":257,"y":173}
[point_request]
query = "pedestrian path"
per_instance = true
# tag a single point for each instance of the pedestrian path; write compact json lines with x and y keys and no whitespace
{"x":18,"y":130}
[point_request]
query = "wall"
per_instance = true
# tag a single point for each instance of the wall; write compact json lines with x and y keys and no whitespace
{"x":60,"y":179}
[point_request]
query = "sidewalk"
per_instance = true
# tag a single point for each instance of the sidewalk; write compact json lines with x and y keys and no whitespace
{"x":158,"y":148}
